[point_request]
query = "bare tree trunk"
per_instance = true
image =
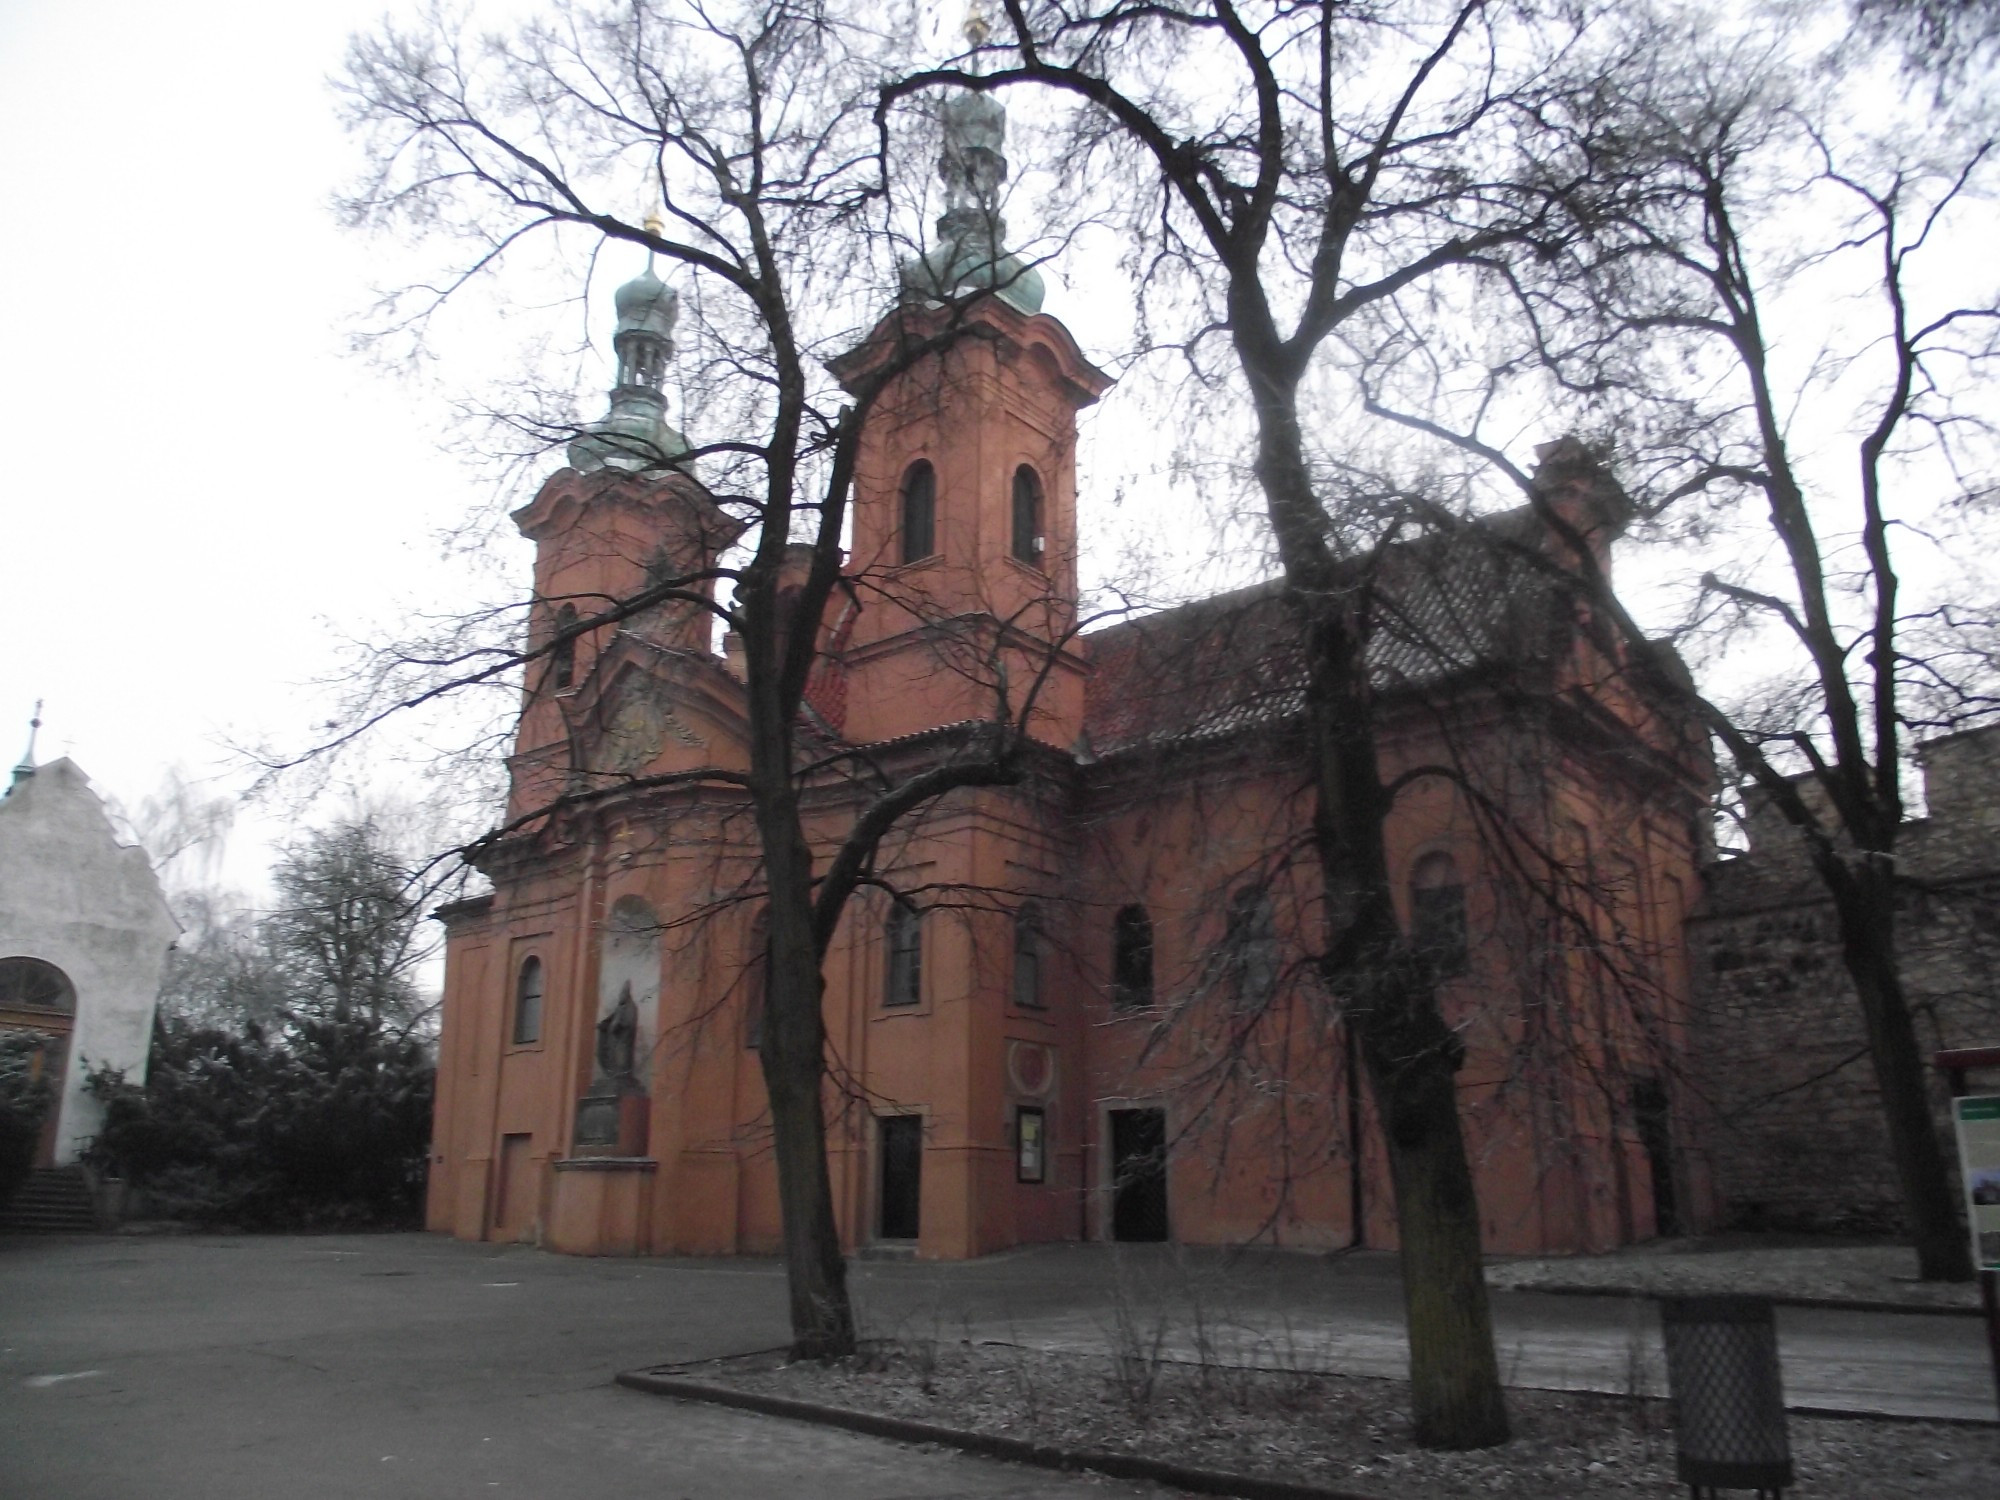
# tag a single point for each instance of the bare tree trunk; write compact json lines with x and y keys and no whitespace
{"x":1412,"y":1056}
{"x":1455,"y":1396}
{"x":1864,"y":902}
{"x":791,"y":1050}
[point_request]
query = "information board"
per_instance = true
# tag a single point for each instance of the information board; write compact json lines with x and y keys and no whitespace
{"x":1979,"y":1154}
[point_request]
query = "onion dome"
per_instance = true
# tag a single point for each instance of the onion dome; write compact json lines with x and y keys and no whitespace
{"x":634,"y":434}
{"x":970,"y":254}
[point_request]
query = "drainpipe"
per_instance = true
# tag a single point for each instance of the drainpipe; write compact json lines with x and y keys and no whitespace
{"x":1357,"y":1225}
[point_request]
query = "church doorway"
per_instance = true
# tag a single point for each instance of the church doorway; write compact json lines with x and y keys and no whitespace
{"x":38,"y":1000}
{"x":516,"y":1207}
{"x":1139,"y":1174}
{"x":1654,"y":1117}
{"x":902,"y":1152}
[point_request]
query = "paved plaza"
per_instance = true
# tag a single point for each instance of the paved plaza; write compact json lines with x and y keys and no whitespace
{"x":317,"y":1367}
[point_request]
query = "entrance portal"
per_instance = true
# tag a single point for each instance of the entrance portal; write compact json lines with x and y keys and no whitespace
{"x":1654,"y":1118}
{"x":516,"y":1207}
{"x":902,"y":1176}
{"x":1138,"y":1174}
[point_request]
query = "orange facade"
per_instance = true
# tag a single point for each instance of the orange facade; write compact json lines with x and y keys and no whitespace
{"x":1089,"y":1014}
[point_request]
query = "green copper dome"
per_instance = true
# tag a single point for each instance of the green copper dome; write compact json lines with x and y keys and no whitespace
{"x":971,"y":255}
{"x":970,"y":264}
{"x":634,"y":434}
{"x":647,"y":304}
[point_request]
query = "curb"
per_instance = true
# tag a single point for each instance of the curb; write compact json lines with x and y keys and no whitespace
{"x":1824,"y":1304}
{"x":1014,"y":1450}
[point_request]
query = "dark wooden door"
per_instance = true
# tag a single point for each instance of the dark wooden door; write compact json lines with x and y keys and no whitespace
{"x":1654,"y":1118}
{"x":1138,"y":1174}
{"x":902,"y":1176}
{"x":517,"y":1196}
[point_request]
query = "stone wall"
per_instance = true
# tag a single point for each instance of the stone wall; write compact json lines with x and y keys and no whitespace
{"x":1781,"y":1060}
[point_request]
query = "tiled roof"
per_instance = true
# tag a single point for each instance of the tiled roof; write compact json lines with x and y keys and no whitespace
{"x":1442,"y":606}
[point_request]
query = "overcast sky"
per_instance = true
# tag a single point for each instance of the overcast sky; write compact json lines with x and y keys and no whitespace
{"x":206,"y":492}
{"x":203,"y":489}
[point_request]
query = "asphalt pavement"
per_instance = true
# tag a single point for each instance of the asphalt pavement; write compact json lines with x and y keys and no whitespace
{"x":339,"y":1367}
{"x":329,"y":1367}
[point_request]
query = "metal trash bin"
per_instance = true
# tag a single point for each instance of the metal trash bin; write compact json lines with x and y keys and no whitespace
{"x":1728,"y":1399}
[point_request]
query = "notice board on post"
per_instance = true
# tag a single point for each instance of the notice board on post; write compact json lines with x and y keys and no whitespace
{"x":1978,"y":1120}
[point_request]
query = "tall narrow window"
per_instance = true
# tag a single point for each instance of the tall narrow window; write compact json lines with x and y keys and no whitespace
{"x":1028,"y":956}
{"x":919,"y":512}
{"x":905,"y":934}
{"x":1250,"y":949}
{"x":1132,"y":959}
{"x":528,"y":1003}
{"x":756,"y":979}
{"x":1028,"y":515}
{"x":562,"y":655}
{"x":1437,"y":915}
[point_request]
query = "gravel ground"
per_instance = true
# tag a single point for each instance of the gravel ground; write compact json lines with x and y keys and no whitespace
{"x":1340,"y":1431}
{"x":1861,"y":1273}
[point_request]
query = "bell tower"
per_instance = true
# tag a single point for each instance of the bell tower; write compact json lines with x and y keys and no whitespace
{"x":964,"y":534}
{"x":623,"y":517}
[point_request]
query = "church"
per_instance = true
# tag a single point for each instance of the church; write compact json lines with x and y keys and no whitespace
{"x":1078,"y":1006}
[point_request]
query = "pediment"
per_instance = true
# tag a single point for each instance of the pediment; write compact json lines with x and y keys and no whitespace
{"x":651,"y":710}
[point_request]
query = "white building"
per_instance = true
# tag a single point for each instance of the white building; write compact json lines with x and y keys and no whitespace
{"x":84,"y":934}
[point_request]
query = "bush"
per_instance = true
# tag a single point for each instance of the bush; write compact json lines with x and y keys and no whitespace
{"x":318,"y":1123}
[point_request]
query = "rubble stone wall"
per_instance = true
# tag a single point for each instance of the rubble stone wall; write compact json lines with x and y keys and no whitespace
{"x":1780,"y":1052}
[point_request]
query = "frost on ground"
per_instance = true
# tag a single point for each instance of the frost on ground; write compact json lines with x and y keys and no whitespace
{"x":1339,"y":1431}
{"x":1861,"y":1273}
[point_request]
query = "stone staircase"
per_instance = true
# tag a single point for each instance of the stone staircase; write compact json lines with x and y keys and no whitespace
{"x":54,"y":1200}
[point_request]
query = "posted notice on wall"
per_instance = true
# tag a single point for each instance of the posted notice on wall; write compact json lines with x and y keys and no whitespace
{"x":1979,"y":1152}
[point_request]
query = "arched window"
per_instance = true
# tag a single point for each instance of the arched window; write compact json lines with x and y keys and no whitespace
{"x":756,"y":979}
{"x":919,"y":532}
{"x":1028,"y":956}
{"x":904,"y":932}
{"x":562,"y":655}
{"x":1028,"y":515}
{"x":528,"y":1003}
{"x":1250,"y":949}
{"x":31,"y":984}
{"x":1131,"y":959}
{"x":1437,"y":915}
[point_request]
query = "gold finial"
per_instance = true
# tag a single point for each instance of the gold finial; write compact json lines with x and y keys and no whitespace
{"x":977,"y":27}
{"x":655,"y":222}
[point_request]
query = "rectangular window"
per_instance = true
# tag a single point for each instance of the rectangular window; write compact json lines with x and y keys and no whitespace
{"x":1030,"y":1144}
{"x":1028,"y":956}
{"x":905,"y":936}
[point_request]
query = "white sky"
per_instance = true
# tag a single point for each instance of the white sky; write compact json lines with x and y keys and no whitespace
{"x":200,"y":485}
{"x":205,"y":491}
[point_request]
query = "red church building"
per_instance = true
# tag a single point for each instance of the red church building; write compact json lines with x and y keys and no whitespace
{"x":1078,"y":1006}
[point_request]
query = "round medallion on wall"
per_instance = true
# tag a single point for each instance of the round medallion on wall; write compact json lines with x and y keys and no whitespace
{"x":1031,"y":1068}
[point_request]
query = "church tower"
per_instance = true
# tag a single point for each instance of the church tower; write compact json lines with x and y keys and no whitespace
{"x":964,"y":535}
{"x":624,"y":517}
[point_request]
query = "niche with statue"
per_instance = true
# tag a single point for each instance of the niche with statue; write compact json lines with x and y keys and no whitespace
{"x":614,"y":1116}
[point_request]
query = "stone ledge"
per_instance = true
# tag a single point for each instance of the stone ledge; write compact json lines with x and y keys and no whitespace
{"x":1832,"y":1304}
{"x":606,"y":1164}
{"x":662,"y":1382}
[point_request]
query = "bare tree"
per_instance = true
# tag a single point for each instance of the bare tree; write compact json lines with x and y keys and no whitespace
{"x":1308,"y":167}
{"x":752,"y":126}
{"x":1755,"y":321}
